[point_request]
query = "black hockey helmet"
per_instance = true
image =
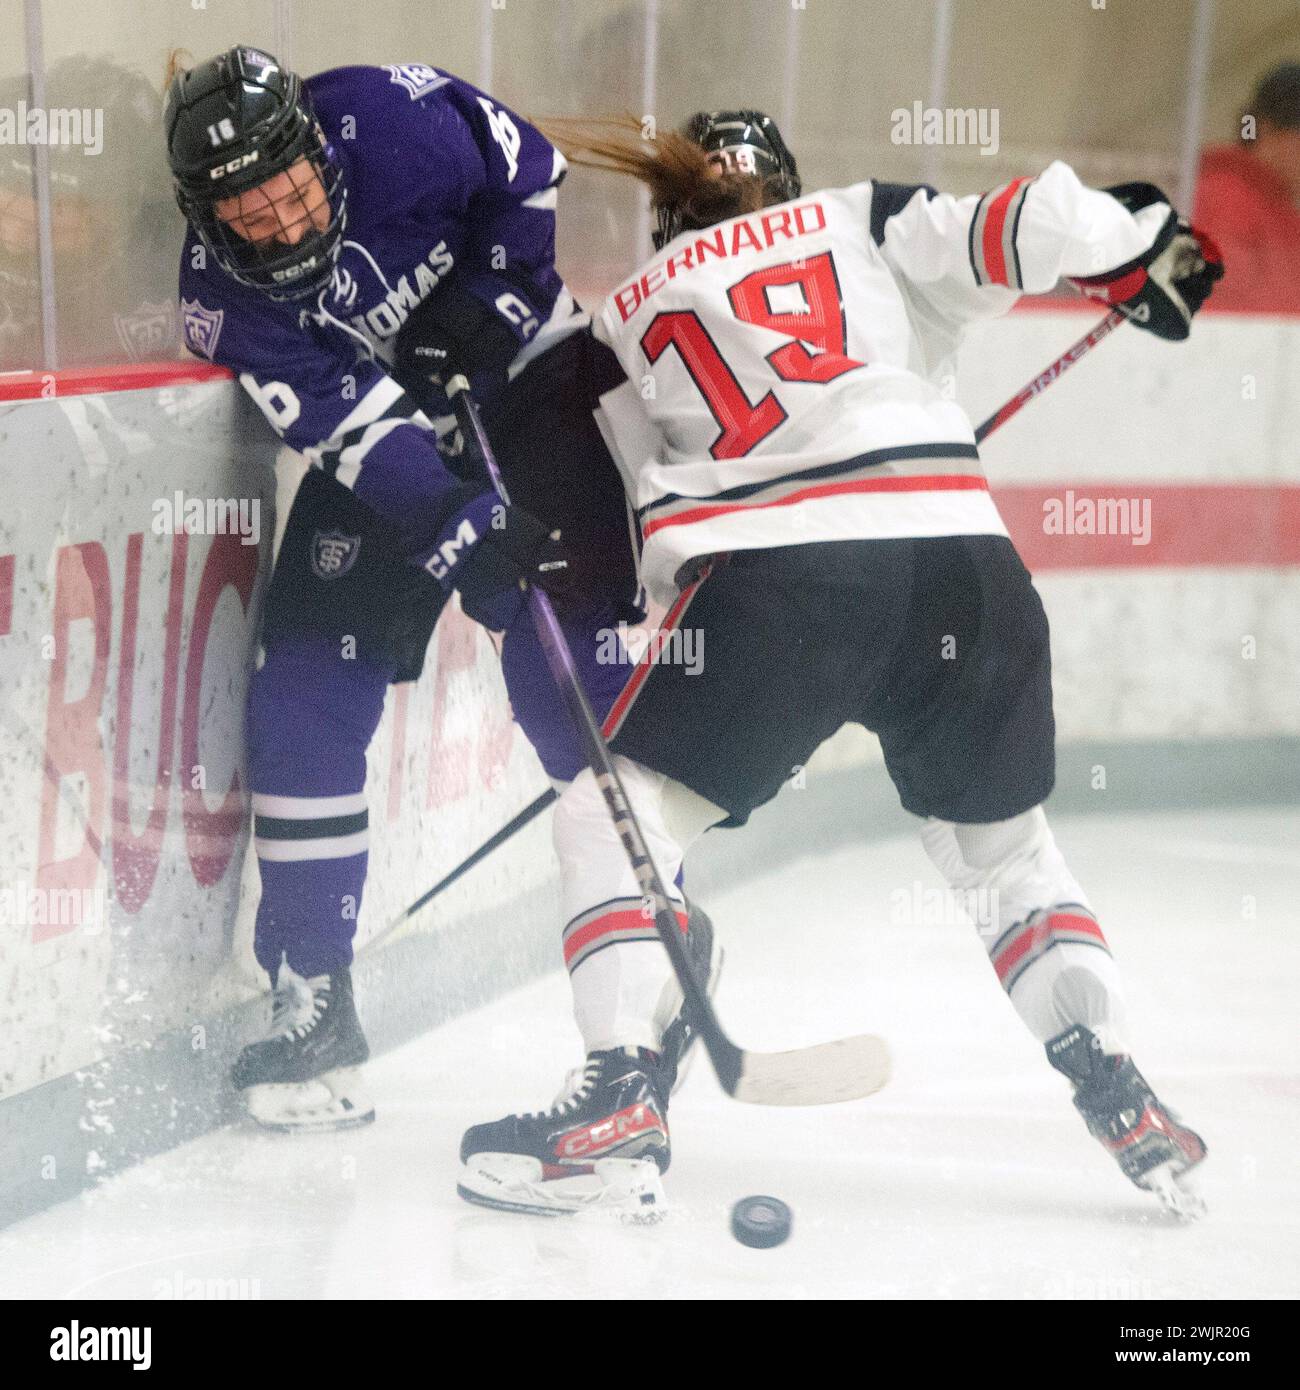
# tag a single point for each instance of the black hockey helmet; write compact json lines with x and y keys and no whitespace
{"x":739,"y":142}
{"x":232,"y":123}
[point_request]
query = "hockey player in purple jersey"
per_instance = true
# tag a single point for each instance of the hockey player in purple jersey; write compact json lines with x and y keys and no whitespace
{"x":353,"y":237}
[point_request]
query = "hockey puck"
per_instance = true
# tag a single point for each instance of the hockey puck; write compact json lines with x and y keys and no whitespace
{"x":761,"y":1222}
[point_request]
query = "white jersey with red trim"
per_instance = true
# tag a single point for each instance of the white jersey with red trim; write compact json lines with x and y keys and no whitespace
{"x":790,"y":372}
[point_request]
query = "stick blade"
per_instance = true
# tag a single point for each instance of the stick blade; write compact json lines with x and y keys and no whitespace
{"x":825,"y":1074}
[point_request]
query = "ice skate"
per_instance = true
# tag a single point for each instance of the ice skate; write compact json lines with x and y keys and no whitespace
{"x":677,"y":1033}
{"x":305,"y":1074}
{"x":1154,"y":1151}
{"x":601,"y":1147}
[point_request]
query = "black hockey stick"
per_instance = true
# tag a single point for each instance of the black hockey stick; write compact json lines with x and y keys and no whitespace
{"x":844,"y":1070}
{"x":528,"y":814}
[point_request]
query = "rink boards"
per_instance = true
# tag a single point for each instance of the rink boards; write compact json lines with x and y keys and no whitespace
{"x":128,"y":605}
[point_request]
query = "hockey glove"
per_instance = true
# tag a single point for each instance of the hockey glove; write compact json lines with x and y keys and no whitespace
{"x":1161,"y":289}
{"x":488,"y":551}
{"x":454,"y":331}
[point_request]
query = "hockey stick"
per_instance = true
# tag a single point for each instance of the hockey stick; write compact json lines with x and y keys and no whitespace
{"x":532,"y":810}
{"x":818,"y":1075}
{"x":1050,"y":374}
{"x":528,"y":814}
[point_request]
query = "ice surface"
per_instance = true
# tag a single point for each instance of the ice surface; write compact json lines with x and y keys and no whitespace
{"x":969,"y":1176}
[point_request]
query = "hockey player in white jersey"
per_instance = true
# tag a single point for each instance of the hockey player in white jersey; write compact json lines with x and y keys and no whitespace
{"x":812,"y":503}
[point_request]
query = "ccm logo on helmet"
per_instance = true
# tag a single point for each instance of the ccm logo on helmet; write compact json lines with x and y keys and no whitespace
{"x":295,"y":271}
{"x":446,"y":555}
{"x":229,"y":168}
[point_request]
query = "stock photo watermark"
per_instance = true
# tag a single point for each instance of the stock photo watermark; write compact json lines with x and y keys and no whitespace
{"x":63,"y":126}
{"x":208,"y":516}
{"x":919,"y":905}
{"x":919,"y":124}
{"x":77,"y":1343}
{"x":26,"y":905}
{"x":1098,"y":516}
{"x":678,"y":646}
{"x":180,"y":1288}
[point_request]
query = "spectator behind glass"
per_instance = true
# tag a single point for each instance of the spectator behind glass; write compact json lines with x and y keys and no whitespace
{"x":114,"y":227}
{"x":1248,"y":200}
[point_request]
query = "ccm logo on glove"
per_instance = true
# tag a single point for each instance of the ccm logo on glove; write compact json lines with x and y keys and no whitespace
{"x":447,"y":552}
{"x":489,"y":551}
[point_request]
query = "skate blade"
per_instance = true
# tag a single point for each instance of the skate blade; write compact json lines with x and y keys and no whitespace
{"x":1175,"y":1191}
{"x":335,"y":1100}
{"x":629,"y":1189}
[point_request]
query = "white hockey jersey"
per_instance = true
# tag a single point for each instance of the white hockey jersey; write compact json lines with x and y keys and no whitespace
{"x":790,"y":371}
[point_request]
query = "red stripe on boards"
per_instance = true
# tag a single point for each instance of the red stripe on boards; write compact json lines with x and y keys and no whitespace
{"x":1222,"y":525}
{"x":85,"y":381}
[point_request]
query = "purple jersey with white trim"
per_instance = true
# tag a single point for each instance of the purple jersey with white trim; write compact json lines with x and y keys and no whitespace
{"x":442,"y":181}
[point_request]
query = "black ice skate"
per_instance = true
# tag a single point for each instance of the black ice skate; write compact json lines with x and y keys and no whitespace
{"x":304,"y":1075}
{"x":1153,"y":1149}
{"x":677,"y":1032}
{"x":602,"y":1147}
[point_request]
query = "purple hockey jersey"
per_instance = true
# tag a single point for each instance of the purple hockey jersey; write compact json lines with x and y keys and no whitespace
{"x":442,"y":181}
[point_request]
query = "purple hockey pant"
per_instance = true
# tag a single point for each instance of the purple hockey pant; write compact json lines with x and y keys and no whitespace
{"x":311,"y":716}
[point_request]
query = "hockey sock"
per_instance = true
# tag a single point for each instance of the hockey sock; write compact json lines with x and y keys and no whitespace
{"x":1043,"y":940}
{"x":311,"y":715}
{"x":616,"y":962}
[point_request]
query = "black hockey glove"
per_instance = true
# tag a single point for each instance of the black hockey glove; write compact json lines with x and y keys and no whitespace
{"x":1161,"y":289}
{"x":453,"y":331}
{"x":488,"y":551}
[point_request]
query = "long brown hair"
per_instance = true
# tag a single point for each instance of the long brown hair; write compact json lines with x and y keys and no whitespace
{"x":178,"y":60}
{"x":675,"y":169}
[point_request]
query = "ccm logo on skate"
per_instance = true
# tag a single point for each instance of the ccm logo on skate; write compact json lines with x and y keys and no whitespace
{"x":608,"y":1134}
{"x":446,"y":555}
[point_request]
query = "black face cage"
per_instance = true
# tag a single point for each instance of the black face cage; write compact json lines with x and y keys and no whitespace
{"x":277,"y":268}
{"x":768,"y":158}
